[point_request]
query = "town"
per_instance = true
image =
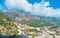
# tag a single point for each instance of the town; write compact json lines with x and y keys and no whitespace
{"x":37,"y":32}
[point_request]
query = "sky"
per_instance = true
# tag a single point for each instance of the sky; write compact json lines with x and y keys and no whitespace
{"x":49,"y":8}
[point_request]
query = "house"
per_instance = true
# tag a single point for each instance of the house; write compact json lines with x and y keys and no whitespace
{"x":29,"y":27}
{"x":2,"y":28}
{"x":57,"y":36}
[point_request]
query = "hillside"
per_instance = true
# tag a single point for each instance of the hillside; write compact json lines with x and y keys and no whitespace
{"x":34,"y":20}
{"x":7,"y":25}
{"x":37,"y":21}
{"x":41,"y":23}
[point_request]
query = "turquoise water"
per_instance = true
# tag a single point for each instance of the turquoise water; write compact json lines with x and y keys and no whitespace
{"x":13,"y":36}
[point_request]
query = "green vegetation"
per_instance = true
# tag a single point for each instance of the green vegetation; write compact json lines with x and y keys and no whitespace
{"x":42,"y":23}
{"x":7,"y":23}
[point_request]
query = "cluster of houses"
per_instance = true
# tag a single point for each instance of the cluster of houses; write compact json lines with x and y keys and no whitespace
{"x":37,"y":32}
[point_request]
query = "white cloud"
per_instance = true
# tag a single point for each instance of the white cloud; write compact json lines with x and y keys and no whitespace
{"x":37,"y":8}
{"x":19,"y":4}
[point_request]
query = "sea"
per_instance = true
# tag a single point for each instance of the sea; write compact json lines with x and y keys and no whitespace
{"x":13,"y":36}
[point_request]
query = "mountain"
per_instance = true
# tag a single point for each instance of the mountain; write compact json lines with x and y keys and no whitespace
{"x":34,"y":20}
{"x":17,"y":13}
{"x":56,"y":19}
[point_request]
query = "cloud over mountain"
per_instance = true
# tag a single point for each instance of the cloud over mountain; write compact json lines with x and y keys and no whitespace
{"x":41,"y":8}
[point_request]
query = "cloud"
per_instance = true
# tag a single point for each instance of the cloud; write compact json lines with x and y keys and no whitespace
{"x":18,"y":4}
{"x":36,"y":9}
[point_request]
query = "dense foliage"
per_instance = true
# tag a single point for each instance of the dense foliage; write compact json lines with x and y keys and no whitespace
{"x":42,"y":23}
